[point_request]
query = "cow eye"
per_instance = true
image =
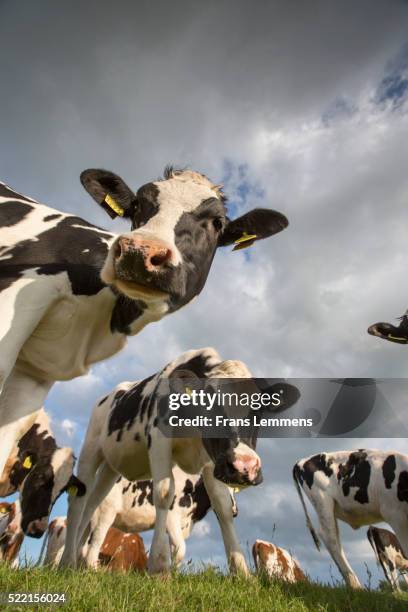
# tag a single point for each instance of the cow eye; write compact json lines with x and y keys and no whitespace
{"x":217,"y":223}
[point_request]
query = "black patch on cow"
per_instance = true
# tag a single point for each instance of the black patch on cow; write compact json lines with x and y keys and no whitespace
{"x":137,"y":437}
{"x":126,"y":407}
{"x":146,"y":493}
{"x":40,"y":446}
{"x":60,"y":249}
{"x":356,"y":473}
{"x":103,"y":400}
{"x":201,"y":501}
{"x":317,"y":463}
{"x":198,"y":364}
{"x":134,"y":487}
{"x":124,"y":313}
{"x":126,"y":488}
{"x":186,"y":499}
{"x":388,"y":470}
{"x":402,"y":487}
{"x":6,"y":192}
{"x":52,"y":217}
{"x":149,"y":440}
{"x":146,"y":205}
{"x":156,"y":421}
{"x":12,"y":213}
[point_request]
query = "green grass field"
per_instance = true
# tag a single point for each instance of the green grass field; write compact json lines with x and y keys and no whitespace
{"x":205,"y":590}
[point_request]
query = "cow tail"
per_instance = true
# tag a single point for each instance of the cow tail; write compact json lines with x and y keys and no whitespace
{"x":309,"y":524}
{"x":42,"y":551}
{"x":371,"y":539}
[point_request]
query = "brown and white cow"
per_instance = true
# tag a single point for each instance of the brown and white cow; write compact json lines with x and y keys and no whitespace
{"x":39,"y":469}
{"x":124,"y":437}
{"x":123,"y":552}
{"x":11,"y":534}
{"x":276,"y":562}
{"x":389,"y":555}
{"x":361,"y":487}
{"x":120,"y":551}
{"x":71,"y":292}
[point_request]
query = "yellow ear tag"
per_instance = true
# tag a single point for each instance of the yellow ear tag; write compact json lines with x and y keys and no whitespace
{"x":245,"y":241}
{"x":73,"y":490}
{"x":188,"y":391}
{"x":114,"y":205}
{"x":3,"y":510}
{"x":27,"y":463}
{"x":398,"y":338}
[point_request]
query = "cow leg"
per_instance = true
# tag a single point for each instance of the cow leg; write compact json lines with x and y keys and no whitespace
{"x":87,"y":468}
{"x":23,"y":305}
{"x":21,"y":396}
{"x":177,"y":543}
{"x":329,"y":533}
{"x":97,"y":533}
{"x":106,"y":478}
{"x":163,"y":495}
{"x":220,"y":498}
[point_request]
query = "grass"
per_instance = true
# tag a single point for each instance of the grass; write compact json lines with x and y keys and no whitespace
{"x":206,"y":590}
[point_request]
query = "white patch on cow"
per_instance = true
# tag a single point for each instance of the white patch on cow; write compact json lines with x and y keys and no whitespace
{"x":62,"y":463}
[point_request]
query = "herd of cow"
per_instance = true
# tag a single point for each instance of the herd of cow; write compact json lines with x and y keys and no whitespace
{"x":71,"y":293}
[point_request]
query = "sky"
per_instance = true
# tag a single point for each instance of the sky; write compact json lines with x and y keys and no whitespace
{"x":301,"y":107}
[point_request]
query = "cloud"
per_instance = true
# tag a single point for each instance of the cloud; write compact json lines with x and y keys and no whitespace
{"x":301,"y":110}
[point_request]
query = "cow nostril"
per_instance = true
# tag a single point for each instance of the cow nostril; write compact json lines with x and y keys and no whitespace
{"x":158,"y":259}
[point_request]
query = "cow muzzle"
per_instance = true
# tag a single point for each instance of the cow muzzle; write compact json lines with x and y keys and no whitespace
{"x":140,"y":263}
{"x":36,"y":529}
{"x":242,"y":471}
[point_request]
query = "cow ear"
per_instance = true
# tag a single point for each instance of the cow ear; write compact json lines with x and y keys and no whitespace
{"x":75,"y":487}
{"x":183,"y":380}
{"x":255,"y":225}
{"x":28,"y":460}
{"x":110,"y":191}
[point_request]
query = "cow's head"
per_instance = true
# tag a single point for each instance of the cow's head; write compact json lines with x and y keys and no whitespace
{"x":11,"y":535}
{"x":176,"y":225}
{"x":47,"y":476}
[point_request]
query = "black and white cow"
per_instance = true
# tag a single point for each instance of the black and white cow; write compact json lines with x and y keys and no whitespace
{"x":360,"y":487}
{"x":39,"y":469}
{"x":124,"y":438}
{"x":389,"y":555}
{"x":390,"y":332}
{"x":129,"y":506}
{"x":71,"y":292}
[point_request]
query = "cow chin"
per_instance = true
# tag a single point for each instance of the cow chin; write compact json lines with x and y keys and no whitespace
{"x":225,"y":472}
{"x":36,"y":529}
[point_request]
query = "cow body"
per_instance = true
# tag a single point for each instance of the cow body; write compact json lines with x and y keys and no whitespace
{"x":276,"y":562}
{"x":11,"y":534}
{"x":123,"y":438}
{"x":389,"y":555}
{"x":361,"y":487}
{"x":38,"y":469}
{"x":71,"y":292}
